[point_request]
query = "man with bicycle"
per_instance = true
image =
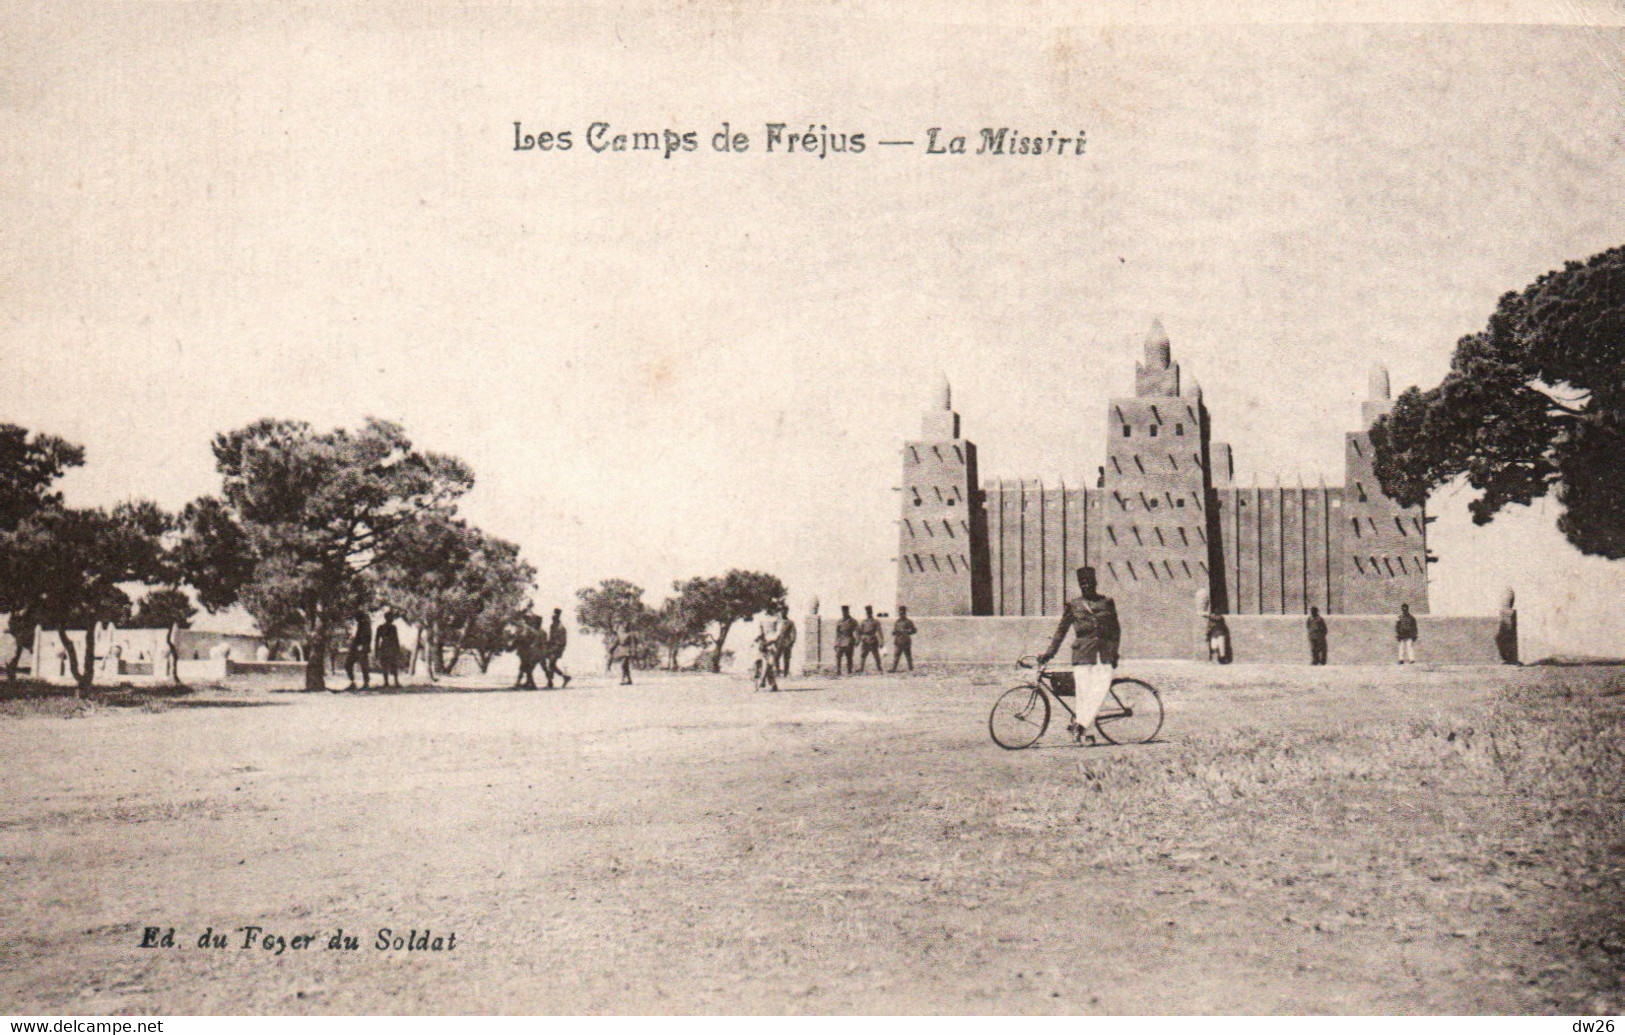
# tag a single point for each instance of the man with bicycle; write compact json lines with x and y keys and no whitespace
{"x":1092,"y":618}
{"x":768,"y":636}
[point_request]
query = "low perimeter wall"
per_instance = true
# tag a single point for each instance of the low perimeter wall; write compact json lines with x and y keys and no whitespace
{"x":1350,"y":640}
{"x":1364,"y":639}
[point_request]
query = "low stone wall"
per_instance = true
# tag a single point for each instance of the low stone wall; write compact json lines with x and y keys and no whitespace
{"x":264,"y":668}
{"x":1363,"y":639}
{"x":1351,"y":640}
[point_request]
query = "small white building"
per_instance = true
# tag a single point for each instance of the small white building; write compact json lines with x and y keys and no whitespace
{"x":139,"y":655}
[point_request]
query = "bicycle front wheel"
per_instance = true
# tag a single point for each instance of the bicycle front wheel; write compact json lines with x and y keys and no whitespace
{"x":1131,"y":712}
{"x":1019,"y":717}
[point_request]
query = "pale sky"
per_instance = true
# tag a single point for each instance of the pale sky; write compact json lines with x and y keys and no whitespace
{"x":667,"y":367}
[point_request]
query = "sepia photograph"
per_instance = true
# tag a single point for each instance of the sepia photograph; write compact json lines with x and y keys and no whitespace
{"x":828,"y":509}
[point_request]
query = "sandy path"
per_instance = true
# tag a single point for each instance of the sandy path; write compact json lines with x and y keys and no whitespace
{"x":685,"y":845}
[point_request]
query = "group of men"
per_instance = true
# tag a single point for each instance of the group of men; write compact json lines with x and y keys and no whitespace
{"x":536,"y":646}
{"x":1405,"y":636}
{"x":367,"y":646}
{"x":382,"y":647}
{"x":866,"y":638}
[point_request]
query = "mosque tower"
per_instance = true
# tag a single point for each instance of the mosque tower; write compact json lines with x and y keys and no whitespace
{"x":942,"y":533}
{"x":1385,"y":554}
{"x":1154,"y":527}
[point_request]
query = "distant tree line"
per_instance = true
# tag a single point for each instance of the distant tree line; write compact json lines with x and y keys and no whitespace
{"x":307,"y":528}
{"x":699,"y":614}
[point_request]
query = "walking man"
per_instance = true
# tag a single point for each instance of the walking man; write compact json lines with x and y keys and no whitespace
{"x":1092,"y":619}
{"x":557,"y":639}
{"x":846,"y":638}
{"x":387,"y":649}
{"x":1405,"y":633}
{"x":626,"y":646}
{"x":870,"y":636}
{"x":360,"y":650}
{"x":1317,"y":637}
{"x":527,"y":644}
{"x":787,"y":641}
{"x":902,"y":639}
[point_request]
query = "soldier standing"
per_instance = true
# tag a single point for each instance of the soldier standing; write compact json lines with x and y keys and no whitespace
{"x":1218,"y":638}
{"x":1317,"y":637}
{"x":1092,"y":618}
{"x":557,"y":638}
{"x":902,"y":639}
{"x":360,"y":650}
{"x":846,"y":638}
{"x":870,"y":636}
{"x":787,"y":641}
{"x":387,"y":649}
{"x":1405,"y":633}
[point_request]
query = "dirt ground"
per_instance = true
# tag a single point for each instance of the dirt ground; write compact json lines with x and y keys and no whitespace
{"x":1337,"y":840}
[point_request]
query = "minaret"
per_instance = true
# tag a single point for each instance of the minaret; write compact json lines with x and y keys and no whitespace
{"x":942,"y":532}
{"x":1384,"y":545}
{"x":941,"y":423}
{"x":1378,"y":401}
{"x":1159,"y":374}
{"x":1154,"y":544}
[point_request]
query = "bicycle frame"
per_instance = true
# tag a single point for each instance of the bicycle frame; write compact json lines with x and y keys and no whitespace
{"x":1044,"y":680}
{"x":1130,"y":712}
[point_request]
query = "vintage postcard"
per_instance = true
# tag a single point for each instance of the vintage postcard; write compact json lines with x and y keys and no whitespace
{"x":827,"y":509}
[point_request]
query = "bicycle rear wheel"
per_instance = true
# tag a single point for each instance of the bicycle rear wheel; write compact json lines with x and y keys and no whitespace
{"x":1131,"y":712}
{"x":1019,"y":717}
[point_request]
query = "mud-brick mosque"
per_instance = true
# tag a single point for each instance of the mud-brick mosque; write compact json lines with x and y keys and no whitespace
{"x":985,"y":568}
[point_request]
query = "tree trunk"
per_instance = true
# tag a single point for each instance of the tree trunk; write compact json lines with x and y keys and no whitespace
{"x":458,"y":648}
{"x":722,"y":637}
{"x":82,"y":678}
{"x":485,"y":661}
{"x":432,"y":661}
{"x":17,"y":659}
{"x":172,"y":641}
{"x":316,"y":655}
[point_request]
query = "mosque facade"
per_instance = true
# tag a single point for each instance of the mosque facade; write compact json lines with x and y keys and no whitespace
{"x":1164,"y":524}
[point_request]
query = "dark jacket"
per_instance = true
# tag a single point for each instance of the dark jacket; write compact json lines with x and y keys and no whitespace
{"x":557,"y":638}
{"x":1096,"y":634}
{"x":1317,"y":629}
{"x":846,"y":631}
{"x":870,"y":633}
{"x":387,"y":642}
{"x":903,"y":630}
{"x":1405,"y":628}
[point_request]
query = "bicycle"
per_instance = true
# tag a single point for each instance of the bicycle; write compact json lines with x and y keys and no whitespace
{"x":1130,"y":714}
{"x":765,"y":673}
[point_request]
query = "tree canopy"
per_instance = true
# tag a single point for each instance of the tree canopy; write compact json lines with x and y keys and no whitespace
{"x":66,"y":565}
{"x":735,"y":597}
{"x":454,"y":583}
{"x":303,"y":516}
{"x":1532,"y":404}
{"x":29,"y":468}
{"x":611,"y":607}
{"x":163,"y":608}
